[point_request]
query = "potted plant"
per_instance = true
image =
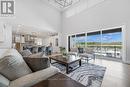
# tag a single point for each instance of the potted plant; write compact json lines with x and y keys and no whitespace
{"x":63,"y":51}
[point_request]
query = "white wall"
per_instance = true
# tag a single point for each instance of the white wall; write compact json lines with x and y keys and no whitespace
{"x":109,"y":13}
{"x":7,"y":34}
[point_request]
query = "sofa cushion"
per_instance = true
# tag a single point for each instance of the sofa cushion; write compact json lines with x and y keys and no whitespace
{"x":4,"y":82}
{"x":72,"y":53}
{"x":38,"y":63}
{"x":12,"y":66}
{"x":33,"y":78}
{"x":36,"y":55}
{"x":25,"y":53}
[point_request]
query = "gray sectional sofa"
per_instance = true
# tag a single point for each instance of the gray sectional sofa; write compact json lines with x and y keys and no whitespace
{"x":14,"y":72}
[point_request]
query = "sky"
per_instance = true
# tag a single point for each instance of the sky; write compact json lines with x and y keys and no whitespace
{"x":106,"y":38}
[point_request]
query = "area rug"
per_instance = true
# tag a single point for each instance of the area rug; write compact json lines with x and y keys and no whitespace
{"x":89,"y":75}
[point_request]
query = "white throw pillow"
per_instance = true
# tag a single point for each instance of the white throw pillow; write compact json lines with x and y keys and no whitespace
{"x":12,"y":66}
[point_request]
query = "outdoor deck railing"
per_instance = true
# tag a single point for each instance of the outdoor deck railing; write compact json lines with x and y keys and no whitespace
{"x":107,"y":50}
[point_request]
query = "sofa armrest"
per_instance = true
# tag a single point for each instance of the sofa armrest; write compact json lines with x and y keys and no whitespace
{"x":4,"y":82}
{"x":33,"y":78}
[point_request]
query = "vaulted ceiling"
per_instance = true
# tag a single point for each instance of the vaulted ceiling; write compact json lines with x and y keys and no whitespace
{"x":42,"y":17}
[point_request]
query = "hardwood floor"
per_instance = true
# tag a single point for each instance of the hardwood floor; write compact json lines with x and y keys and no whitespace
{"x":117,"y":74}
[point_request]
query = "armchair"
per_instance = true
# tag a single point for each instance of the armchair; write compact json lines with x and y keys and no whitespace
{"x":88,"y":54}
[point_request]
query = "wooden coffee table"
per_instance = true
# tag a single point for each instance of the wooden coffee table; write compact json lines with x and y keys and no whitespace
{"x":66,"y":60}
{"x":59,"y":80}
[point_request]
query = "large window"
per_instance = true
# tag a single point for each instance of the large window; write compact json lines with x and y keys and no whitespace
{"x":106,"y":43}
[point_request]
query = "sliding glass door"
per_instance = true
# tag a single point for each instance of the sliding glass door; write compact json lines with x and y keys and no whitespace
{"x":112,"y":43}
{"x":105,"y":43}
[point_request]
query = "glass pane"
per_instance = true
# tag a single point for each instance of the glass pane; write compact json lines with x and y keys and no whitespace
{"x":94,"y":42}
{"x":80,"y":40}
{"x":112,"y":43}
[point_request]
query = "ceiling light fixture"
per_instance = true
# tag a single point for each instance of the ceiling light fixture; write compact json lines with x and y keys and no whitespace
{"x":63,"y":3}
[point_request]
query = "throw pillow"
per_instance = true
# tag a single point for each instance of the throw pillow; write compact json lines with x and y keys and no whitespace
{"x":37,"y":64}
{"x":36,"y":55}
{"x":13,"y":67}
{"x":26,"y":53}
